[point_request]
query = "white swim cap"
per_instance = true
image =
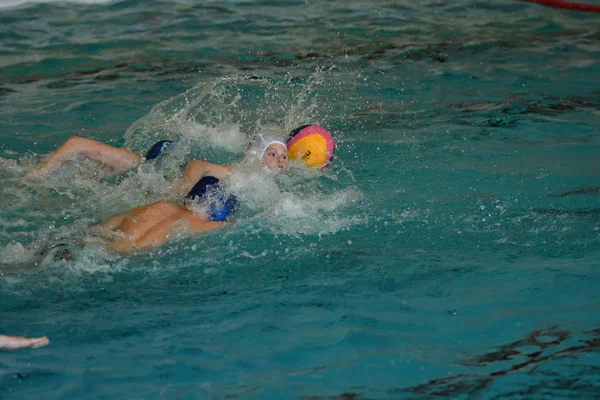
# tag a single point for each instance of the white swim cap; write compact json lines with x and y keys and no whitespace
{"x":259,"y":146}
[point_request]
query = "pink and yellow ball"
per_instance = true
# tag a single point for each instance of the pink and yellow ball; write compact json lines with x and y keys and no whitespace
{"x":312,"y":144}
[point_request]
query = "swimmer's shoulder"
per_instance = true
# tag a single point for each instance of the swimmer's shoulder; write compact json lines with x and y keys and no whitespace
{"x":142,"y":215}
{"x":197,"y":169}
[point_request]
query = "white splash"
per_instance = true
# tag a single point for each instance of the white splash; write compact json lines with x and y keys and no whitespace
{"x":14,"y":253}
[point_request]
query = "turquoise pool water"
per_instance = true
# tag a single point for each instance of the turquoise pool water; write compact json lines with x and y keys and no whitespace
{"x":451,"y":249}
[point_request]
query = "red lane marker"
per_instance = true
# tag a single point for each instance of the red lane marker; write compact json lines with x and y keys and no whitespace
{"x":568,"y":5}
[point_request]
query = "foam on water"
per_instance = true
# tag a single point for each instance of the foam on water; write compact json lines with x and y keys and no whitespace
{"x":213,"y":121}
{"x":9,"y":166}
{"x":316,"y":214}
{"x":15,"y":253}
{"x":228,"y":112}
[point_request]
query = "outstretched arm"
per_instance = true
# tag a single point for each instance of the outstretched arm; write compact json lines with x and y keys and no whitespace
{"x":115,"y":159}
{"x":18,"y":342}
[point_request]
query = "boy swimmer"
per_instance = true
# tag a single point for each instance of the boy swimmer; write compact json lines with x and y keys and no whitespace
{"x":155,"y":223}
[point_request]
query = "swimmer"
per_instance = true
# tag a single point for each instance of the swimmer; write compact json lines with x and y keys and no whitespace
{"x":111,"y":158}
{"x":117,"y":160}
{"x":269,"y":150}
{"x":19,"y":342}
{"x":153,"y":224}
{"x":156,"y":223}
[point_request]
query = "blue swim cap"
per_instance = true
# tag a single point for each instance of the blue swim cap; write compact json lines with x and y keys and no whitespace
{"x":157,"y":149}
{"x":209,"y":189}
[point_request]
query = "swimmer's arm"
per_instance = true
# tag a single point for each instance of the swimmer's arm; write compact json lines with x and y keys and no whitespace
{"x":113,"y":222}
{"x":113,"y":158}
{"x":118,"y":243}
{"x":18,"y":342}
{"x":200,"y":224}
{"x":197,"y":169}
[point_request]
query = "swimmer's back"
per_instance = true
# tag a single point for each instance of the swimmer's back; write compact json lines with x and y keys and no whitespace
{"x":152,"y":224}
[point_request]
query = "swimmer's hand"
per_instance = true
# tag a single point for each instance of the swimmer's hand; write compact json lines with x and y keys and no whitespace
{"x":20,"y":342}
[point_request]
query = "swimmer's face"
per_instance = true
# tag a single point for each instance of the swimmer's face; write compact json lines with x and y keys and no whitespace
{"x":276,"y":157}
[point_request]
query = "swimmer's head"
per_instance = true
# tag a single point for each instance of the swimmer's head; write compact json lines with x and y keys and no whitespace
{"x":158,"y":149}
{"x":270,"y":150}
{"x":208,"y":191}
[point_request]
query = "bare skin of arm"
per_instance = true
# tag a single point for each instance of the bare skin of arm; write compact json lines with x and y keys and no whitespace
{"x":197,"y":169}
{"x":113,"y":222}
{"x":153,"y":224}
{"x":112,"y":158}
{"x":19,"y":342}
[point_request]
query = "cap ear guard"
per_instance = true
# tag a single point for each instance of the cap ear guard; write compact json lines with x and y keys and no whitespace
{"x":201,"y":187}
{"x":209,"y":190}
